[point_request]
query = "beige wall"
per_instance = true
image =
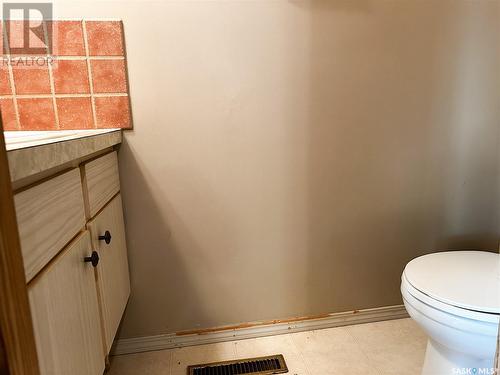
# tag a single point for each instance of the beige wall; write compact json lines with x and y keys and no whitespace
{"x":289,"y":157}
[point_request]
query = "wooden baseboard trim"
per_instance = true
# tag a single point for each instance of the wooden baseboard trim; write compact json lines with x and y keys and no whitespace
{"x":258,"y":329}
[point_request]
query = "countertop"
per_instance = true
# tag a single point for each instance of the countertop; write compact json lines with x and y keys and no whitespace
{"x":33,"y":152}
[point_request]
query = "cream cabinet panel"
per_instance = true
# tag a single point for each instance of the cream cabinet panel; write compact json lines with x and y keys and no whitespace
{"x":49,"y":215}
{"x":65,"y":313}
{"x":113,"y":274}
{"x":102,"y":181}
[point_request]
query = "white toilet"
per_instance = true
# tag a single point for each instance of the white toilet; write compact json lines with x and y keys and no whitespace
{"x":455,"y":298}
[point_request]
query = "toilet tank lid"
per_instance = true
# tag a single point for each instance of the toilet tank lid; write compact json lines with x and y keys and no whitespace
{"x":466,"y":279}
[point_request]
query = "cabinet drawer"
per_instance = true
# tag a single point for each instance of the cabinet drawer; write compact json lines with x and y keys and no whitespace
{"x":102,"y":182}
{"x":65,"y":313}
{"x":49,"y":215}
{"x":113,"y":275}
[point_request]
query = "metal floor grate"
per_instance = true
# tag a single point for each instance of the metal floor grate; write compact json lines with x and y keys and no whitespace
{"x":274,"y":364}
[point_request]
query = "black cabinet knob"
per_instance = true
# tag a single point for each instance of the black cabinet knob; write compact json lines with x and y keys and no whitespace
{"x":106,"y":237}
{"x":94,"y":259}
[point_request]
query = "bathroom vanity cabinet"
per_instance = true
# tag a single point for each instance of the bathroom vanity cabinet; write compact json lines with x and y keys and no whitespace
{"x":73,"y":244}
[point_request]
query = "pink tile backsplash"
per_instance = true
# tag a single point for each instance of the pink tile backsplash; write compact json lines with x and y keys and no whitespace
{"x":68,"y":38}
{"x":75,"y":113}
{"x":109,"y":76}
{"x":5,"y":88}
{"x":105,"y":38}
{"x":31,"y":80}
{"x":8,"y":114}
{"x":112,"y":111}
{"x":36,"y":114}
{"x":71,"y":77}
{"x":85,"y":87}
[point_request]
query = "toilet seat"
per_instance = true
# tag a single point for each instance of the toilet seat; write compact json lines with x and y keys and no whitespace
{"x":465,"y":283}
{"x":452,"y":310}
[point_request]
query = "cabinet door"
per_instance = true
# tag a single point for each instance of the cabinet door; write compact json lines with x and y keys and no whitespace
{"x":112,"y":274}
{"x":65,"y":313}
{"x":49,"y":215}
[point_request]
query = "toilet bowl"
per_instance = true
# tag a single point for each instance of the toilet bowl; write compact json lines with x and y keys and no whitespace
{"x":455,"y":298}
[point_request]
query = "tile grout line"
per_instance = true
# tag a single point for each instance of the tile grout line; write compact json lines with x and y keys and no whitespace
{"x":11,"y":76}
{"x":51,"y":77}
{"x":89,"y":73}
{"x":92,"y":58}
{"x":8,"y":57}
{"x":59,"y":96}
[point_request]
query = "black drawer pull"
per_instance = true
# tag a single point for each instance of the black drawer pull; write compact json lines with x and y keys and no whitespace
{"x":94,"y":259}
{"x":106,"y":238}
